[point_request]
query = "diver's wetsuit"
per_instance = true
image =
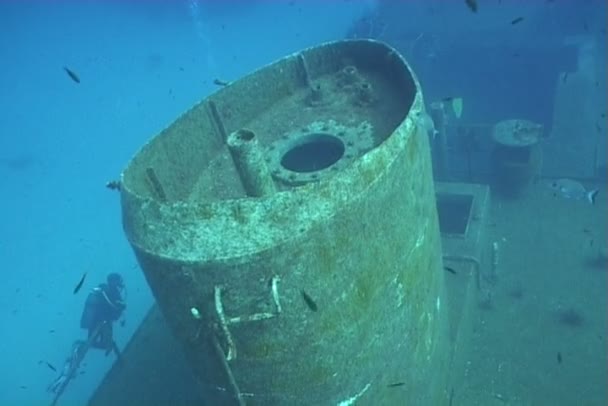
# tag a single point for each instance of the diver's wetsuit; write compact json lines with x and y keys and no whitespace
{"x":104,"y":305}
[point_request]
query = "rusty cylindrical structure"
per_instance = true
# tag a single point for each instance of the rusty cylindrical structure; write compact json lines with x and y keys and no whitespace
{"x":287,"y":227}
{"x":516,"y":155}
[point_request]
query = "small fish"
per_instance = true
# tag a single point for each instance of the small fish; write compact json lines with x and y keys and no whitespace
{"x":113,"y":185}
{"x":565,"y":77}
{"x":572,"y":189}
{"x":309,"y":302}
{"x":450,"y":270}
{"x":48,"y":364}
{"x":71,"y":74}
{"x":394,"y":385}
{"x":472,"y":5}
{"x":559,"y":357}
{"x":79,"y":284}
{"x":220,"y":82}
{"x":517,"y":20}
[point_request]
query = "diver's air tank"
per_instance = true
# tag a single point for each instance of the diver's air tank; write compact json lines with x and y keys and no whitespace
{"x":287,"y":227}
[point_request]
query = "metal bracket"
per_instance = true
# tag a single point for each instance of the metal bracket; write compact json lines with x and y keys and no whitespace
{"x":225,"y":321}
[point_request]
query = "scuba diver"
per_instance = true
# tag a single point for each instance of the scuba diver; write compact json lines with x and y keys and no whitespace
{"x":104,"y":305}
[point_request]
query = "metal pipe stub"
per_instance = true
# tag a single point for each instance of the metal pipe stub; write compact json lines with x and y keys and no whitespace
{"x":249,"y":161}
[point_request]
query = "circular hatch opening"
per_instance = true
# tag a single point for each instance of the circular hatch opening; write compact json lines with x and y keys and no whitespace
{"x":313,"y":153}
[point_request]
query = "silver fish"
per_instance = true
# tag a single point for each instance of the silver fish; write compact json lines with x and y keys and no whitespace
{"x":572,"y":189}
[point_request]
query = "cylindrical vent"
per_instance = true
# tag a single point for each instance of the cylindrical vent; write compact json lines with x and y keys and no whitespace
{"x":250,"y":164}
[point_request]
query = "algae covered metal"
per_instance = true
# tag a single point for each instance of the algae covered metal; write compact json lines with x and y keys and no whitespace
{"x":287,"y":227}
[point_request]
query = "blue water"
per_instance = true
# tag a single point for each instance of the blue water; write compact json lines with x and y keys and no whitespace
{"x":141,"y":64}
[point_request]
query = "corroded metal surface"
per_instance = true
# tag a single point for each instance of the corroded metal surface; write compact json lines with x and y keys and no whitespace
{"x":317,"y":288}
